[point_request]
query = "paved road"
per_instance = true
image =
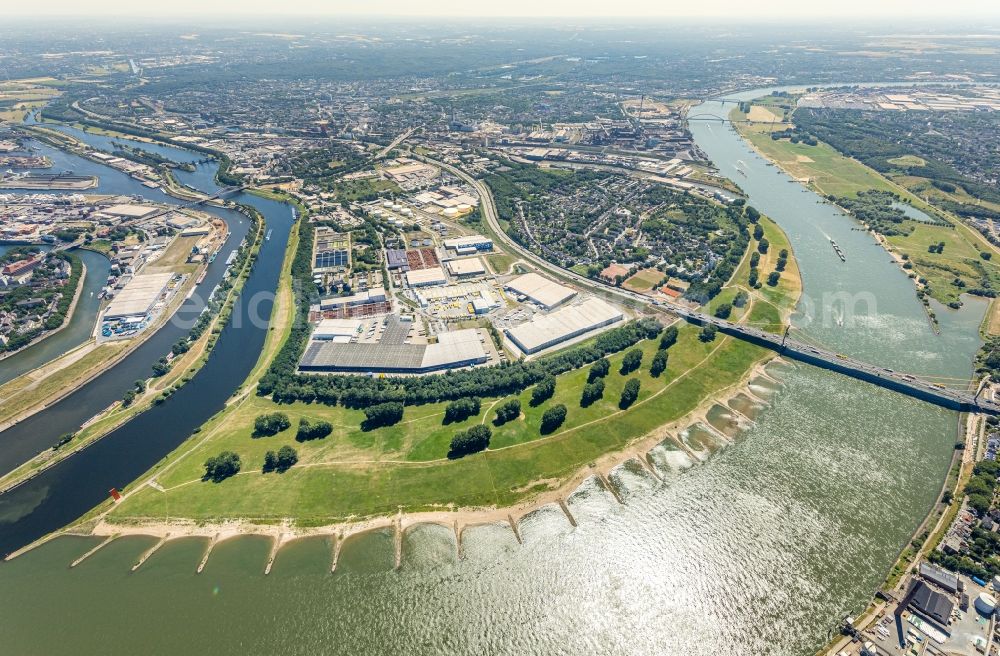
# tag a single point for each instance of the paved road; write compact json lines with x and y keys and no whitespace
{"x":881,"y":376}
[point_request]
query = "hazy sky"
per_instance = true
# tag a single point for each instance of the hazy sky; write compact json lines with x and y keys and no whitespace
{"x":963,"y":10}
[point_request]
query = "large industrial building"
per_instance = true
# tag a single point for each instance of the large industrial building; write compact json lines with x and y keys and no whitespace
{"x":468,"y":267}
{"x":562,"y":325}
{"x":138,"y":297}
{"x":469,"y":244}
{"x":540,"y":290}
{"x":361,"y":298}
{"x":424,"y":277}
{"x":460,"y":348}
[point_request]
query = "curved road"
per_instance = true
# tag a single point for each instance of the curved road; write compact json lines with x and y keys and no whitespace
{"x":903,"y":383}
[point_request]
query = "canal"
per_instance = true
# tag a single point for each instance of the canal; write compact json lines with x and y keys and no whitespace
{"x":760,"y":549}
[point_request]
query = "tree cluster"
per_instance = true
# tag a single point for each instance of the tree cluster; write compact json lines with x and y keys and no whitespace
{"x":312,"y":430}
{"x":219,"y":468}
{"x":270,"y":424}
{"x":473,"y":440}
{"x":281,"y":461}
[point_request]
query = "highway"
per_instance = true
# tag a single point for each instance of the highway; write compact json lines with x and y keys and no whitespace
{"x":897,"y":381}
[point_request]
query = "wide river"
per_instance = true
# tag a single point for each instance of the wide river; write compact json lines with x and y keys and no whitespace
{"x":760,"y":549}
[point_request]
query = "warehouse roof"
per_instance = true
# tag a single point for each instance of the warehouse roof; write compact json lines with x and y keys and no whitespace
{"x":467,"y":267}
{"x":139,"y":295}
{"x":129,"y":211}
{"x":468,"y":240}
{"x":541,"y":290}
{"x":940,"y":577}
{"x":430,"y":276}
{"x":456,"y":346}
{"x":454,"y":349}
{"x":564,"y":324}
{"x":329,"y":328}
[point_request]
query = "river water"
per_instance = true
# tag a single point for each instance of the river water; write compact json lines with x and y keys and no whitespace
{"x":758,"y":550}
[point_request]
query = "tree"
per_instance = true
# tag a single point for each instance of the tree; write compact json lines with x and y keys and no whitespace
{"x":724,"y":310}
{"x":382,"y":414}
{"x":592,"y":392}
{"x":629,"y":394}
{"x":553,"y":418}
{"x":598,"y":370}
{"x":752,"y":278}
{"x":631,"y":361}
{"x":758,"y":231}
{"x":270,"y":424}
{"x":707,"y":334}
{"x":473,"y":440}
{"x":219,"y":468}
{"x":312,"y":430}
{"x":773,"y":278}
{"x":763,"y":245}
{"x":754,"y":259}
{"x":287,"y":456}
{"x":752,"y":214}
{"x":543,"y":391}
{"x":508,"y":411}
{"x":461,"y":409}
{"x":669,"y":337}
{"x":270,"y":462}
{"x":128,"y":398}
{"x":161,"y":367}
{"x":659,"y":364}
{"x":741,"y":299}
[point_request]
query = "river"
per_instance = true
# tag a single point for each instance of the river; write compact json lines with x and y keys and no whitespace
{"x":759,"y":550}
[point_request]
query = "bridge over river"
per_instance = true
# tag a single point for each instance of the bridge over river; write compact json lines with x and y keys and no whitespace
{"x":909,"y":384}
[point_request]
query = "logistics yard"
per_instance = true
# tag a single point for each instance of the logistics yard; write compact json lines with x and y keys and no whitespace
{"x":432,"y":312}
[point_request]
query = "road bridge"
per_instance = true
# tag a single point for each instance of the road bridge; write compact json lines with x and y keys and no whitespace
{"x":904,"y":383}
{"x":908,"y":384}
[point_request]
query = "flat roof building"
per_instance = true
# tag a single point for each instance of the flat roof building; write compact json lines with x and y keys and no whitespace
{"x":479,"y":242}
{"x":541,"y":290}
{"x":563,"y":324}
{"x":333,"y":329}
{"x":361,"y":298}
{"x":395,"y":258}
{"x":129,"y":211}
{"x":939,"y":577}
{"x":138,"y":296}
{"x":472,"y":266}
{"x":425,"y":277}
{"x":460,"y":348}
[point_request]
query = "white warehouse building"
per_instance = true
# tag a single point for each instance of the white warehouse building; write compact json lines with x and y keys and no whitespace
{"x":539,"y":289}
{"x":564,"y":324}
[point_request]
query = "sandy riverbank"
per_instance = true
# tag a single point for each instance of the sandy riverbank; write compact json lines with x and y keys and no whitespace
{"x":456,"y":519}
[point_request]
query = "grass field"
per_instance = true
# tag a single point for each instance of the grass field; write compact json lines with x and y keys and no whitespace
{"x":907,"y":161}
{"x":501,"y":262}
{"x":643,"y":280}
{"x":354,"y":473}
{"x":28,"y":391}
{"x":830,"y":172}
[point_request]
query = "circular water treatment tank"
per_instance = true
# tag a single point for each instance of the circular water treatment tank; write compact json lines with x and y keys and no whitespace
{"x":986,"y":603}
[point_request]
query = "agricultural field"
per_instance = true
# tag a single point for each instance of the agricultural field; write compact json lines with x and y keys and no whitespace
{"x":18,"y":97}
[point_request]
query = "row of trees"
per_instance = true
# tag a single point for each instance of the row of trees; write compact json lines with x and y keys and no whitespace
{"x":284,"y":384}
